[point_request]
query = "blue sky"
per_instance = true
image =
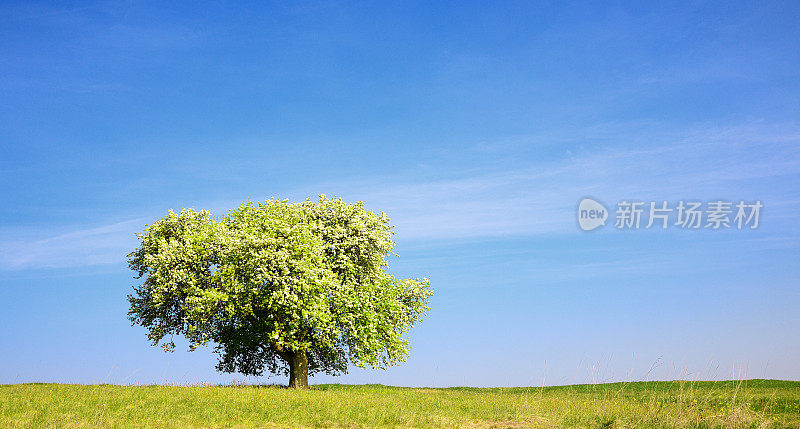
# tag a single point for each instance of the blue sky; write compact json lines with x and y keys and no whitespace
{"x":477,"y":128}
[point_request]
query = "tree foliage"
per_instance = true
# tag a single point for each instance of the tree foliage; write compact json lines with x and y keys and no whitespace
{"x":292,"y":288}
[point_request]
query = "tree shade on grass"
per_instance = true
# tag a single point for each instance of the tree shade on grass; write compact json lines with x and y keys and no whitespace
{"x":293,"y":288}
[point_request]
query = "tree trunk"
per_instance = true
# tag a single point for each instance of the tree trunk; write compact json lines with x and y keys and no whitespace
{"x":298,"y":370}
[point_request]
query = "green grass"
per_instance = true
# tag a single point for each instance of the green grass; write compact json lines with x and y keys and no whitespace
{"x":750,"y":403}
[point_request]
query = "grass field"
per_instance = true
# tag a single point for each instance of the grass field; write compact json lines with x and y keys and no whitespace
{"x":750,"y":403}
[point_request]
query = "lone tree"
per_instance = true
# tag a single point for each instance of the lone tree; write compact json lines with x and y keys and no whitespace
{"x":293,"y":288}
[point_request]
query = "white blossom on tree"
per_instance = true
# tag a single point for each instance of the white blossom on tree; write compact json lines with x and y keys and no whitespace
{"x":293,"y":288}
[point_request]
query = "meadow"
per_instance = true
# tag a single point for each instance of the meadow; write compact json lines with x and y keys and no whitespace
{"x":746,"y":403}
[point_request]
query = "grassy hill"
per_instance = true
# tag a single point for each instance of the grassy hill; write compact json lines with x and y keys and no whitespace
{"x":750,"y":403}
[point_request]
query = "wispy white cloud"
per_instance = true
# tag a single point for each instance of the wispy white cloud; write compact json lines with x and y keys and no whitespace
{"x":105,"y":244}
{"x":736,"y":163}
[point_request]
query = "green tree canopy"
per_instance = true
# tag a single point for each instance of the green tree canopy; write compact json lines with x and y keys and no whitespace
{"x":293,"y":288}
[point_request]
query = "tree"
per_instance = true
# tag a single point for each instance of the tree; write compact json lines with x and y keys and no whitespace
{"x":293,"y":288}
